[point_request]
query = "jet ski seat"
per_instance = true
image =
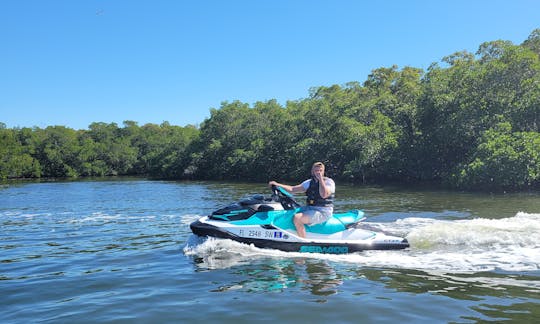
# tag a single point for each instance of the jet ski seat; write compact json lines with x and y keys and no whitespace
{"x":331,"y":226}
{"x":337,"y":223}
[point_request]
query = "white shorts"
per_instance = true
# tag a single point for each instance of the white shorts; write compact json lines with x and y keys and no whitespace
{"x":317,"y":214}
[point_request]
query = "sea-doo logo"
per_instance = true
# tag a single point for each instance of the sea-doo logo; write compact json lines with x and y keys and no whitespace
{"x":324,"y":249}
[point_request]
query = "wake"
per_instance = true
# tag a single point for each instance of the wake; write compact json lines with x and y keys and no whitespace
{"x":456,"y":246}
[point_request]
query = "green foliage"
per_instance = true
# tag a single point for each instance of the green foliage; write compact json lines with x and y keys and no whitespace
{"x":533,"y":42}
{"x":471,"y":121}
{"x":16,"y":159}
{"x":503,"y":160}
{"x":102,"y":150}
{"x":239,"y":142}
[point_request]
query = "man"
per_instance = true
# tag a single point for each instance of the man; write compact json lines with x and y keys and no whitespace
{"x":320,"y":196}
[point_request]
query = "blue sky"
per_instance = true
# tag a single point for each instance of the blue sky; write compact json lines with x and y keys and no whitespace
{"x":72,"y":62}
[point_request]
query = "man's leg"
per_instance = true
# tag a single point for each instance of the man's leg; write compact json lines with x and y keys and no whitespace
{"x":300,"y":220}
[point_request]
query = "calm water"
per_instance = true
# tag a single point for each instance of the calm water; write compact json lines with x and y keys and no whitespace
{"x":122,"y":251}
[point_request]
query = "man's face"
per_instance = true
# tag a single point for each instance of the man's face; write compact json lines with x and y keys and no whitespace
{"x":317,"y":170}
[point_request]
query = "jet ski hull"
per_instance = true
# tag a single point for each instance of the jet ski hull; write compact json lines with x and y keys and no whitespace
{"x":270,"y":237}
{"x":268,"y":223}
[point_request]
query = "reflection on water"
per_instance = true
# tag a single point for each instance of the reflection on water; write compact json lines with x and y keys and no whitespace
{"x":259,"y":272}
{"x":321,"y":279}
{"x":316,"y":276}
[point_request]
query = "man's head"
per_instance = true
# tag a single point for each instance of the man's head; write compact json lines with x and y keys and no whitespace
{"x":317,"y":167}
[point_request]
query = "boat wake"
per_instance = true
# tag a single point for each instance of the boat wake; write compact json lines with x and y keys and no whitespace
{"x":455,"y":246}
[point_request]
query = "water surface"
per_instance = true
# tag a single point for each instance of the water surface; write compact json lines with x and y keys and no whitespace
{"x":121,"y":251}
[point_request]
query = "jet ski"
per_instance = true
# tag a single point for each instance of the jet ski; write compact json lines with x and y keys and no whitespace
{"x":267,"y":222}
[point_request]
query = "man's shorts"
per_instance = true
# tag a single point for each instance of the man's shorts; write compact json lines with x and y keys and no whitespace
{"x":317,"y":214}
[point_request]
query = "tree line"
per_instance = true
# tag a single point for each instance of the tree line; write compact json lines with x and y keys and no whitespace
{"x":469,"y":122}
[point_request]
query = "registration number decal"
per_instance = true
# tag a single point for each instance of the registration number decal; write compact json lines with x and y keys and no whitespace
{"x":261,"y":234}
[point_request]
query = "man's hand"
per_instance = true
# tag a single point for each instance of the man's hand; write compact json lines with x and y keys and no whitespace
{"x":319,"y":175}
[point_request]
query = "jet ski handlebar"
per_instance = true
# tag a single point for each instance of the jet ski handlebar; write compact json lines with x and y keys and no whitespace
{"x":284,"y":197}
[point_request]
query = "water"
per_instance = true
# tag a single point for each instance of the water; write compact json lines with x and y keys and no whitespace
{"x":122,"y":251}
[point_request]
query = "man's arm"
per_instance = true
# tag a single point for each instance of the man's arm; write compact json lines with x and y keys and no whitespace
{"x":292,"y":189}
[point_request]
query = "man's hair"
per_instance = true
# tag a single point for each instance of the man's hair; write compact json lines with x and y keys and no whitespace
{"x":317,"y":164}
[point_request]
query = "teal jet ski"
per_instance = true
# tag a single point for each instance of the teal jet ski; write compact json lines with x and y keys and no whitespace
{"x":267,"y":222}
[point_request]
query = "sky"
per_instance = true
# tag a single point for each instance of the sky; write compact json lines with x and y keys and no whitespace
{"x":72,"y":63}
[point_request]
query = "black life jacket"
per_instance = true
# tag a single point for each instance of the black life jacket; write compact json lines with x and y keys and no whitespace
{"x":314,"y":197}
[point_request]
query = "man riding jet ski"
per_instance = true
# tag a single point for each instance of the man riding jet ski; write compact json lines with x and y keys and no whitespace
{"x":320,"y":198}
{"x":267,"y":222}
